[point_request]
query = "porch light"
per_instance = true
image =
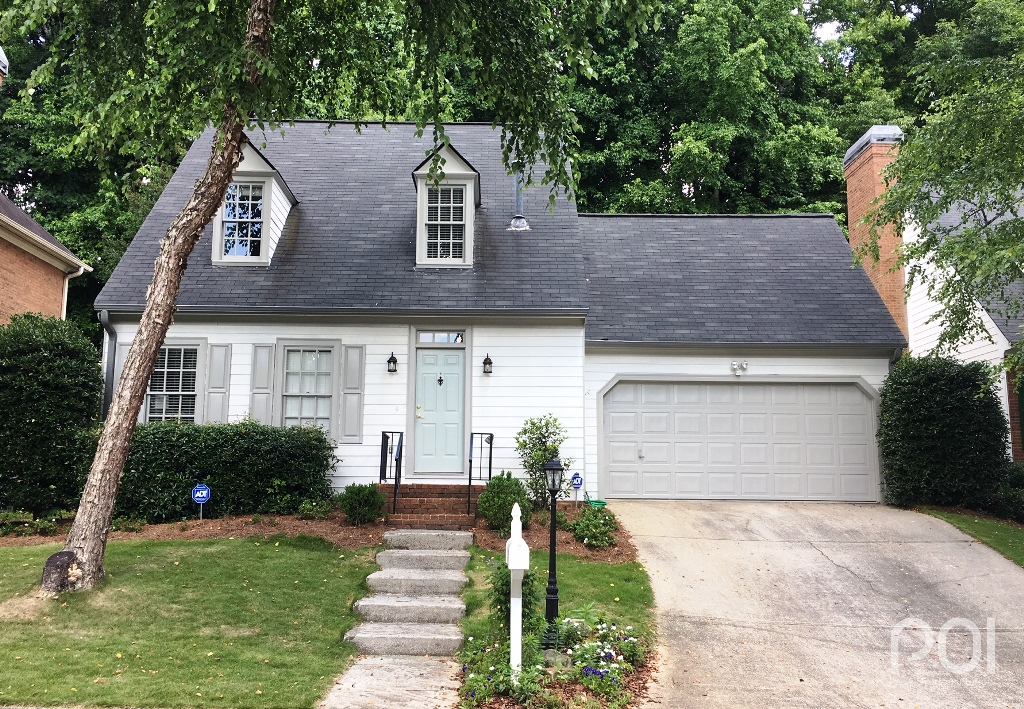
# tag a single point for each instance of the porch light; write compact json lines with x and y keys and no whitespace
{"x":392,"y":363}
{"x":488,"y":364}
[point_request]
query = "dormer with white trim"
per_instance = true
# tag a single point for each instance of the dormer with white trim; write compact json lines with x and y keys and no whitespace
{"x":445,"y":210}
{"x":249,"y":223}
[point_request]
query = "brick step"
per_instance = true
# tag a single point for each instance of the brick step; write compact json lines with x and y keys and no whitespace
{"x":423,"y":559}
{"x":394,"y":608}
{"x":406,"y":638}
{"x":428,"y":490}
{"x":432,"y":521}
{"x":427,"y":539}
{"x":432,"y":506}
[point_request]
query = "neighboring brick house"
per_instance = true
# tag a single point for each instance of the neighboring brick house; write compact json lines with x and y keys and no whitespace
{"x":913,"y":312}
{"x":34,"y":267}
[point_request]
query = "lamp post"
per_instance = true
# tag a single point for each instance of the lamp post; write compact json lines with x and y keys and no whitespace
{"x":553,"y":471}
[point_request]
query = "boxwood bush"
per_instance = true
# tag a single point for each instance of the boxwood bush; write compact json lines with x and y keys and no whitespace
{"x":249,"y":467}
{"x":942,"y":434}
{"x":496,"y":502}
{"x":50,"y":391}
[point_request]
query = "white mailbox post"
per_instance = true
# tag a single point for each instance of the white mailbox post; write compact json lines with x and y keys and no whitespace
{"x":517,"y":558}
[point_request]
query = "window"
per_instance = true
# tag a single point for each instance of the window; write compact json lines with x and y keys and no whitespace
{"x":446,"y":222}
{"x":242,"y":223}
{"x":442,"y":338}
{"x":308,"y":387}
{"x":172,"y":386}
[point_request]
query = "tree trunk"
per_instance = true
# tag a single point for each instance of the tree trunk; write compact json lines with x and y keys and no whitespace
{"x":87,"y":539}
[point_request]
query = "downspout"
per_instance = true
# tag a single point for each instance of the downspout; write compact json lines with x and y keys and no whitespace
{"x":64,"y":299}
{"x":108,"y":374}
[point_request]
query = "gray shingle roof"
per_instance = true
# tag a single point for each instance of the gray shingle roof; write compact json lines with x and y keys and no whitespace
{"x":729,"y":279}
{"x":349,"y":244}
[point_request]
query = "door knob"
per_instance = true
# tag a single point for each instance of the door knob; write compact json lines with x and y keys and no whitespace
{"x":419,"y":416}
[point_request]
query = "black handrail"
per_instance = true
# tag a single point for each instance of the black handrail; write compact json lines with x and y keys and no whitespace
{"x":488,"y":440}
{"x":391,"y":462}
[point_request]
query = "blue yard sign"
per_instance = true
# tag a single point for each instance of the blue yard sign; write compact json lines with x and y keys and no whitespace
{"x":577,"y":481}
{"x":200,"y":495}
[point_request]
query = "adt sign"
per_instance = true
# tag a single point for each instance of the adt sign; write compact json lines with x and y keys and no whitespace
{"x":577,"y":481}
{"x":200,"y":494}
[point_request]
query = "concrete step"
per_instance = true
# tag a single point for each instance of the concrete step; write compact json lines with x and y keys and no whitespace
{"x":427,"y":539}
{"x":413,"y":582}
{"x":406,"y":638}
{"x":423,"y":559}
{"x":391,"y":608}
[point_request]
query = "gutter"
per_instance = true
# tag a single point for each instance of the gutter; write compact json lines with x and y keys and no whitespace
{"x":108,"y":374}
{"x":64,"y":299}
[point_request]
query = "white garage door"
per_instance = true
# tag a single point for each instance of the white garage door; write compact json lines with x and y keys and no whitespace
{"x":739,"y":441}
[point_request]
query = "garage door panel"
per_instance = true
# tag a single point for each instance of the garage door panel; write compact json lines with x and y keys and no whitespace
{"x":741,"y":441}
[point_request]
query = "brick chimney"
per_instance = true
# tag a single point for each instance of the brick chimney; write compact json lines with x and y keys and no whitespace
{"x":863,"y":166}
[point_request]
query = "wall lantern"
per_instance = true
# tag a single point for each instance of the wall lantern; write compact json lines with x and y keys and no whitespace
{"x":392,"y":363}
{"x":488,"y":364}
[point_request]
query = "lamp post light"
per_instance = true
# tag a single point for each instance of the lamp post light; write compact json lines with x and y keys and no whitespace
{"x":553,"y":470}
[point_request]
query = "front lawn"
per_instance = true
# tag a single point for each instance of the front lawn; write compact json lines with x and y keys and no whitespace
{"x":1005,"y":537}
{"x":219,"y":623}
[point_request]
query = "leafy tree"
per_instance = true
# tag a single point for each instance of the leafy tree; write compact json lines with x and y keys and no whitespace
{"x":143,"y":74}
{"x":958,"y":182}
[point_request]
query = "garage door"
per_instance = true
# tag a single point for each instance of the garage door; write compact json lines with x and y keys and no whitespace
{"x":680,"y":440}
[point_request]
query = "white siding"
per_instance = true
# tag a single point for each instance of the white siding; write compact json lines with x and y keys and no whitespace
{"x":603,"y":365}
{"x":537,"y":370}
{"x":280,"y":206}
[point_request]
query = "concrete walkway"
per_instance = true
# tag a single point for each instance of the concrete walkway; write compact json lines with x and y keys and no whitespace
{"x":396,"y":683}
{"x":794,"y":605}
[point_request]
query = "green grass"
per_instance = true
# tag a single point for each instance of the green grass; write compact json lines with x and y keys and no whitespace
{"x":579,"y":582}
{"x":223,"y":623}
{"x":1005,"y":537}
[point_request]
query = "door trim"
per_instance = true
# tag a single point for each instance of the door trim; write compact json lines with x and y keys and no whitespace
{"x":860,"y":382}
{"x":467,"y":410}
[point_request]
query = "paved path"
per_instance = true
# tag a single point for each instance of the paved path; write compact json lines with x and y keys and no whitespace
{"x":793,"y":605}
{"x":395,"y":683}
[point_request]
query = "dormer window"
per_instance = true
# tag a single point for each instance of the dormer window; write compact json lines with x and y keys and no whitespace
{"x":446,"y":222}
{"x":243,"y":220}
{"x":445,"y":210}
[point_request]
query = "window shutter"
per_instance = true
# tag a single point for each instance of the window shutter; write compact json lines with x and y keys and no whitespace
{"x":120,"y":356}
{"x":352,"y":394}
{"x":261,"y":402}
{"x":218,"y":381}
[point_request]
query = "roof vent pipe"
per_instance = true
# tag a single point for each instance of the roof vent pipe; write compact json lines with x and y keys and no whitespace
{"x":519,"y":222}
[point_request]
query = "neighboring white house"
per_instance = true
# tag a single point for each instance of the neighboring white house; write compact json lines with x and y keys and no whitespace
{"x":914,"y":312}
{"x":688,"y":356}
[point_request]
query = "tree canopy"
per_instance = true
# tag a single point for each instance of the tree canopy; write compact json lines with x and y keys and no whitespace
{"x":957,"y":186}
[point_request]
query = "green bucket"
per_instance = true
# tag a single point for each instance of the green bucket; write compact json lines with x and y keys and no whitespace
{"x":597,"y":503}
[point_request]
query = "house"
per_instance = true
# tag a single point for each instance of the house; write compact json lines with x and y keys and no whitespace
{"x":913,"y":311}
{"x":34,"y":267}
{"x":688,"y":356}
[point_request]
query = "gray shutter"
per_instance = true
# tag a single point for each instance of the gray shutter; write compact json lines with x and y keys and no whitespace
{"x":261,"y":402}
{"x":352,"y":394}
{"x":218,"y":381}
{"x":120,"y":356}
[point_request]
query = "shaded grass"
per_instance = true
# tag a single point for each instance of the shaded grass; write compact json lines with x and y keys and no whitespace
{"x":222,"y":623}
{"x":1005,"y":537}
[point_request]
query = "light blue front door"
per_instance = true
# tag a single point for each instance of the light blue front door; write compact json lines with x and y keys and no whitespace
{"x":440,"y":421}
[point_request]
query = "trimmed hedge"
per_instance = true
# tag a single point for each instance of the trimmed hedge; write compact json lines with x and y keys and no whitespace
{"x":942,"y":434}
{"x":50,"y":392}
{"x":496,"y":501}
{"x":249,"y":467}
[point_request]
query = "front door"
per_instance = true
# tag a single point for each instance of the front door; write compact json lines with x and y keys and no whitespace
{"x":440,"y":398}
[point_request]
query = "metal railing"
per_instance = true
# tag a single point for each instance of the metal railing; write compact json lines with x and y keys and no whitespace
{"x":391,"y":462}
{"x":477,"y":441}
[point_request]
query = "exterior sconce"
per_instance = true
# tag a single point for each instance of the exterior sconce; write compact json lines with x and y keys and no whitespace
{"x":738,"y":367}
{"x":488,"y":364}
{"x":392,"y":363}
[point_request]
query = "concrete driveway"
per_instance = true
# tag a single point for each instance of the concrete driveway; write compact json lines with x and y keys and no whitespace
{"x":764,"y":604}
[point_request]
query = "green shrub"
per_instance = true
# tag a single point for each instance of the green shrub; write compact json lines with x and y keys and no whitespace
{"x":50,"y":391}
{"x":499,"y":598}
{"x":45,"y":527}
{"x":249,"y":467}
{"x":537,"y":442}
{"x":126,"y":524}
{"x":595,"y":528}
{"x":496,"y":501}
{"x":941,"y":433}
{"x":362,"y":503}
{"x":315,"y":509}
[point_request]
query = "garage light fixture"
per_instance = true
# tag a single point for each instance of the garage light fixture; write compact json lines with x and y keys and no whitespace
{"x":739,"y":367}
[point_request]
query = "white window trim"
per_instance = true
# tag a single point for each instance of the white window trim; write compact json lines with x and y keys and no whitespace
{"x":251,"y":178}
{"x":468,"y":183}
{"x":201,"y":366}
{"x":282,"y":346}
